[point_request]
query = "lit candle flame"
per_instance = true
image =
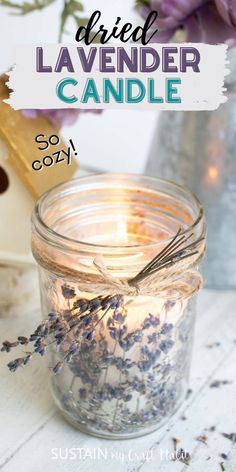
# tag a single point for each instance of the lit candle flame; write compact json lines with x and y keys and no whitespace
{"x":122,"y":230}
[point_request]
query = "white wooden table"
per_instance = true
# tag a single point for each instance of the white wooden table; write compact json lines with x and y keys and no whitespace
{"x":31,"y":426}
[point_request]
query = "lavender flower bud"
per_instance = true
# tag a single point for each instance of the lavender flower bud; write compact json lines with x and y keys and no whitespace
{"x":67,"y":292}
{"x":52,"y":316}
{"x":7,"y":345}
{"x":14,"y":365}
{"x":166,"y":328}
{"x":166,"y":345}
{"x":95,"y":304}
{"x":56,"y":369}
{"x":89,"y":336}
{"x":23,"y":340}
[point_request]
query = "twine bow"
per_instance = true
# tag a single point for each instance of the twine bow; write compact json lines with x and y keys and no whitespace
{"x":172,"y":274}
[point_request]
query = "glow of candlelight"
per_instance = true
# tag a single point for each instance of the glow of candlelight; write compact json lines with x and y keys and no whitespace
{"x":213,"y":173}
{"x":122,"y":230}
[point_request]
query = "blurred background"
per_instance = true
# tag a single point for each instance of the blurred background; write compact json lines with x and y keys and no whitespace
{"x":120,"y":139}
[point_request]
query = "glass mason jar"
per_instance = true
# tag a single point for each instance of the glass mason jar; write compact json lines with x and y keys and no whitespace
{"x":197,"y":149}
{"x":131,"y":352}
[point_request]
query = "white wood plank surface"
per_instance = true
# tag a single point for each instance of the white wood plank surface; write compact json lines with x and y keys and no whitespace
{"x":30,"y":425}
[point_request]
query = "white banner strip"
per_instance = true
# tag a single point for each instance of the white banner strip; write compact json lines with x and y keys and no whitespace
{"x":161,"y":76}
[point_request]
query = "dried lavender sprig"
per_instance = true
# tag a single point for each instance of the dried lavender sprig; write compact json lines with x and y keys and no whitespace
{"x":89,"y":335}
{"x":36,"y":335}
{"x":56,"y":325}
{"x":114,"y":303}
{"x":64,"y":324}
{"x":177,"y":244}
{"x":170,"y":250}
{"x":168,"y":256}
{"x":163,"y":252}
{"x":171,"y":261}
{"x":102,"y":306}
{"x":13,"y":365}
{"x":7,"y":345}
{"x":23,"y":340}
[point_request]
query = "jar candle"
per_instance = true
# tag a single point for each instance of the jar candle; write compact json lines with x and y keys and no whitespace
{"x":120,"y":363}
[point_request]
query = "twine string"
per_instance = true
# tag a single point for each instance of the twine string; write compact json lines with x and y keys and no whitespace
{"x":171,"y":274}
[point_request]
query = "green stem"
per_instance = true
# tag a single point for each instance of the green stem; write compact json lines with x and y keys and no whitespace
{"x":62,"y":24}
{"x":26,"y":7}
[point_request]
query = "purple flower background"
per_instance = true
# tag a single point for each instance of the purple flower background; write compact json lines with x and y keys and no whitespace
{"x":209,"y":21}
{"x":59,"y":117}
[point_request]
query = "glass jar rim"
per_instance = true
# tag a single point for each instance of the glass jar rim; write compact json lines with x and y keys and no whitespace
{"x":65,"y":242}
